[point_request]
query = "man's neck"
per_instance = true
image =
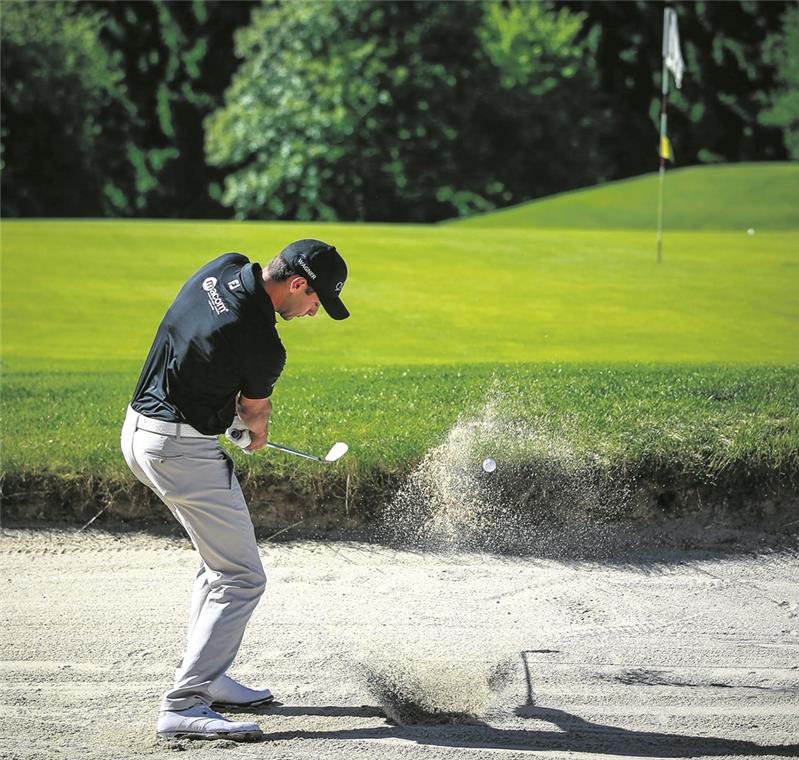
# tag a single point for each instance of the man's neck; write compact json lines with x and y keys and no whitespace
{"x":273,"y":290}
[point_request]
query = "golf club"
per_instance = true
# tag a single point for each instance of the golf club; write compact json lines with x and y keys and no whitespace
{"x":337,"y":450}
{"x":241,"y":437}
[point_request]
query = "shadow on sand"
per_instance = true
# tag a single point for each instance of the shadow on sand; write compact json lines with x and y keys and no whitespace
{"x":573,"y":735}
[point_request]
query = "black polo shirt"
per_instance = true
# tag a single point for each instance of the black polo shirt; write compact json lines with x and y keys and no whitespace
{"x":217,"y":339}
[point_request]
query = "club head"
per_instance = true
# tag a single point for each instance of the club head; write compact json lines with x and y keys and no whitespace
{"x":337,"y":450}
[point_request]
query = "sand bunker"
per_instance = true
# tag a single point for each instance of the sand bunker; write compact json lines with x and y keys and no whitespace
{"x":695,"y":659}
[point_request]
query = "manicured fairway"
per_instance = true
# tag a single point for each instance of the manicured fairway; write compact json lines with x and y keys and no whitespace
{"x":89,"y":295}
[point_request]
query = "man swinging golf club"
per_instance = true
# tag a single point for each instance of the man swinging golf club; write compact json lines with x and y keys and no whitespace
{"x":217,"y":354}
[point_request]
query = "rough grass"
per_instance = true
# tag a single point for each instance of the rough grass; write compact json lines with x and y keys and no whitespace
{"x":725,"y":197}
{"x":706,"y":418}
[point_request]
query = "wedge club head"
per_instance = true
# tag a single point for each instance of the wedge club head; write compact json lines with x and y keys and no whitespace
{"x":337,"y":450}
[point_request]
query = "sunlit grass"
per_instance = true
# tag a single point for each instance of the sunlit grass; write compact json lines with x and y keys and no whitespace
{"x":733,"y":197}
{"x":89,"y":295}
{"x":702,"y":419}
{"x":693,"y":361}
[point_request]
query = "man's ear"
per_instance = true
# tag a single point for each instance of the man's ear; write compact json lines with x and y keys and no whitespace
{"x":297,"y":283}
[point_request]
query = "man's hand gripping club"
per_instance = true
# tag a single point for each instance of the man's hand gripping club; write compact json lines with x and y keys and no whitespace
{"x":250,"y":427}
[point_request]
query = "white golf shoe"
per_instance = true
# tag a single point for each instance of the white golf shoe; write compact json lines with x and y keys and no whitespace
{"x":225,"y":692}
{"x":201,"y":722}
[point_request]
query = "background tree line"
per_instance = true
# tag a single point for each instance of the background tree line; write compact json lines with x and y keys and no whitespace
{"x":392,"y":111}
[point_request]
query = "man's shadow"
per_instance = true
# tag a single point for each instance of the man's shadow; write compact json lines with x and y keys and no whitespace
{"x":574,"y":734}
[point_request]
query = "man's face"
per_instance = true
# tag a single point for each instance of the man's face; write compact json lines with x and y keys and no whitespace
{"x":300,"y":300}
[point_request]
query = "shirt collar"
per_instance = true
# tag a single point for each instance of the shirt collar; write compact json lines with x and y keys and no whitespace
{"x":251,"y":278}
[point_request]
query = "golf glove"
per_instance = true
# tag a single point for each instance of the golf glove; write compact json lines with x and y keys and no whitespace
{"x":239,"y":434}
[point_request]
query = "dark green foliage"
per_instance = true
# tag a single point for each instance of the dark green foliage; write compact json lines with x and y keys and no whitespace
{"x":782,"y":51}
{"x":396,"y":111}
{"x":62,"y":104}
{"x":541,"y":101}
{"x":103,"y":102}
{"x":177,"y":59}
{"x":402,"y":111}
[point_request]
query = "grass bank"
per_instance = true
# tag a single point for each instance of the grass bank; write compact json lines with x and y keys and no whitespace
{"x":730,"y":197}
{"x":707,"y":417}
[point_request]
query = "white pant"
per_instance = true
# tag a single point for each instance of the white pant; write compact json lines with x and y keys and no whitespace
{"x":194,"y":478}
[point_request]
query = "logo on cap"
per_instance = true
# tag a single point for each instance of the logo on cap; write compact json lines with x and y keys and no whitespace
{"x":307,"y":269}
{"x":339,"y":286}
{"x":209,"y":283}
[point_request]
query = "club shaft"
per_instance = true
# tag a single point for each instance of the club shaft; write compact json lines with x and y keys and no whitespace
{"x":289,"y":450}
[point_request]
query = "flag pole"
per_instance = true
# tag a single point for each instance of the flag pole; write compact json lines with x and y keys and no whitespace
{"x":664,"y":95}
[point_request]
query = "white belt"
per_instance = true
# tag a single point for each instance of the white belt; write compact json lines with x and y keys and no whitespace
{"x":178,"y":429}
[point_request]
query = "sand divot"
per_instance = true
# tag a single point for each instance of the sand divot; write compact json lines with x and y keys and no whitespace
{"x":414,"y":691}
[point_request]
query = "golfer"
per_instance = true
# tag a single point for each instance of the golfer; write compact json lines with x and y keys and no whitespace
{"x":217,"y":354}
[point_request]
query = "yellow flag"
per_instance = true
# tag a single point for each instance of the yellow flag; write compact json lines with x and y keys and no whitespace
{"x":665,"y":149}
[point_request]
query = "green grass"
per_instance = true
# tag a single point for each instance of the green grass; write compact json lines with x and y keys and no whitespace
{"x":580,"y":335}
{"x":702,"y":418}
{"x":89,"y":295}
{"x":731,"y":197}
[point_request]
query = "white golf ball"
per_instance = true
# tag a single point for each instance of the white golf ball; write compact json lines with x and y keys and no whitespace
{"x":489,"y":465}
{"x":750,"y":231}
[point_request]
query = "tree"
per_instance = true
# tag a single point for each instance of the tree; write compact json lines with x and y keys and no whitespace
{"x":549,"y":120}
{"x":782,"y":52}
{"x":401,"y":111}
{"x":103,"y":104}
{"x":61,"y":89}
{"x":177,"y":59}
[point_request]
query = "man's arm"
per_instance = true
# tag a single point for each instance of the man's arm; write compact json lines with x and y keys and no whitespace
{"x":255,"y":414}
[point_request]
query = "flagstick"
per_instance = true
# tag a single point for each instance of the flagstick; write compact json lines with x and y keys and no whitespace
{"x":664,"y":95}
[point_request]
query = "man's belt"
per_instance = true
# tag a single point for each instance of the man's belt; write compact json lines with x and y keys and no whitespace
{"x":177,"y":429}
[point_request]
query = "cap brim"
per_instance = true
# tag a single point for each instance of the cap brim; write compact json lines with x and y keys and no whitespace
{"x":334,"y":307}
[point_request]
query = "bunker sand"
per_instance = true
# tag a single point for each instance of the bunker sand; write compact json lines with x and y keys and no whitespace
{"x":692,"y":657}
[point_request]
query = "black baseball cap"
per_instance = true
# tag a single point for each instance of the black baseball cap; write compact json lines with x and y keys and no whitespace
{"x":321,"y":264}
